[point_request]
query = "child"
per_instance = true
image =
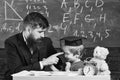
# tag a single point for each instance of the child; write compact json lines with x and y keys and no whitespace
{"x":99,"y":56}
{"x":72,"y":54}
{"x":72,"y":48}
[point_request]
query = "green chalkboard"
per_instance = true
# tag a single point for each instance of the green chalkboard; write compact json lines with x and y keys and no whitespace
{"x":97,"y":20}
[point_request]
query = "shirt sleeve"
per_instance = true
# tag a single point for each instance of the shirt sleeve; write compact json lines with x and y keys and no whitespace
{"x":41,"y":65}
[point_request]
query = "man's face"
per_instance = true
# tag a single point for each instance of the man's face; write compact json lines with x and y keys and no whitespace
{"x":34,"y":36}
{"x":37,"y":33}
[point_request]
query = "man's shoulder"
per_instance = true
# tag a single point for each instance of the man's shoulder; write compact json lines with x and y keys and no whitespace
{"x":12,"y":38}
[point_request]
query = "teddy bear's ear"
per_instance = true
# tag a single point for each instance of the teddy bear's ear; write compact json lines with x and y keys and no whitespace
{"x":106,"y":51}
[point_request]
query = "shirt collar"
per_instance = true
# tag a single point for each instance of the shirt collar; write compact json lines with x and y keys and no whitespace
{"x":23,"y":34}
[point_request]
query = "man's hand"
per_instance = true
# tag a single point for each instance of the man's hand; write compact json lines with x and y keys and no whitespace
{"x":53,"y":59}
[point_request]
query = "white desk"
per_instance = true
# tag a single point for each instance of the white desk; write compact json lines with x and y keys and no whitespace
{"x":61,"y":77}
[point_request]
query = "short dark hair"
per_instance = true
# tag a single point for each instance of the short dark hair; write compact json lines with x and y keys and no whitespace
{"x":34,"y":19}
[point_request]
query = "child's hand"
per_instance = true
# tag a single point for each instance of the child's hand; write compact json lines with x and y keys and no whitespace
{"x":68,"y":65}
{"x":80,"y":71}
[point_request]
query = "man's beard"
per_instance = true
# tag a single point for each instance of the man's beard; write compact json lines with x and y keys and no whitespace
{"x":33,"y":43}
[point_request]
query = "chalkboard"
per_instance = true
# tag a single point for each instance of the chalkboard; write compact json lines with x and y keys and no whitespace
{"x":97,"y":20}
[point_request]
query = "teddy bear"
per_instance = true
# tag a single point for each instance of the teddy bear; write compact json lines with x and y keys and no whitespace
{"x":99,"y":56}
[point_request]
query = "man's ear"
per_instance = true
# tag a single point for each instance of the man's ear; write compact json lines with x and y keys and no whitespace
{"x":28,"y":29}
